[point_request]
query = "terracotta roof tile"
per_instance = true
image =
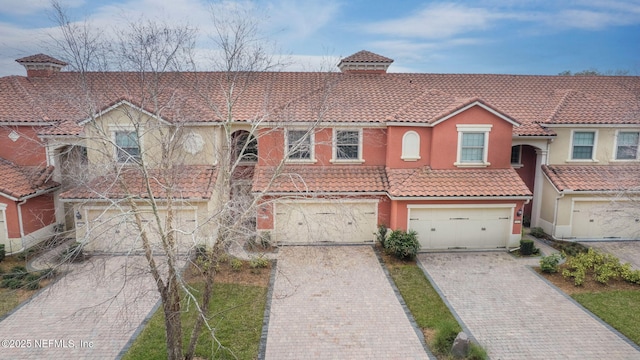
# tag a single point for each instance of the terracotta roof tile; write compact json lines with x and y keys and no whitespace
{"x":594,"y":177}
{"x":426,"y":182}
{"x":41,"y":58}
{"x":366,"y":56}
{"x":185,"y":182}
{"x":320,"y":179}
{"x":22,"y":181}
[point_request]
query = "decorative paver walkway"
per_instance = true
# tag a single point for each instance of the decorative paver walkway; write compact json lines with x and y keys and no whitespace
{"x":91,"y":313}
{"x":335,"y":302}
{"x":514,"y":314}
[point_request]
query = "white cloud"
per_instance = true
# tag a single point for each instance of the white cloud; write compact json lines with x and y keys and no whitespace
{"x":436,"y":21}
{"x":299,"y":20}
{"x":25,"y":7}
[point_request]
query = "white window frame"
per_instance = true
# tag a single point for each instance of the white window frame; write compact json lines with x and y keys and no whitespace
{"x":615,"y":145}
{"x":407,"y":153}
{"x":334,"y":156}
{"x":593,"y":151}
{"x":518,"y":164}
{"x":312,"y":142}
{"x":125,"y":128}
{"x":481,"y":128}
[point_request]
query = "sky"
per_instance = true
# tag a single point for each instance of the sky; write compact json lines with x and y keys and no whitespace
{"x":484,"y":36}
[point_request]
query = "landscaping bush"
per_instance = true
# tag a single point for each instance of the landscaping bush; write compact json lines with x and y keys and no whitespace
{"x":2,"y":252}
{"x":258,"y":263}
{"x":526,"y":247}
{"x":11,"y":283}
{"x":403,"y":245}
{"x":17,"y":272}
{"x":549,"y":264}
{"x":236,"y":264}
{"x":381,"y":235}
{"x":537,"y":232}
{"x":603,"y":267}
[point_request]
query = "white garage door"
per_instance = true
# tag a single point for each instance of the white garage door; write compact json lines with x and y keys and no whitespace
{"x":116,"y":231}
{"x":466,"y":228}
{"x":605,"y":220}
{"x":347,"y":222}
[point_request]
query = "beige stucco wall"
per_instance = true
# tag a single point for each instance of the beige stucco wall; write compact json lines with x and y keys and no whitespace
{"x":193,"y":144}
{"x":560,"y":148}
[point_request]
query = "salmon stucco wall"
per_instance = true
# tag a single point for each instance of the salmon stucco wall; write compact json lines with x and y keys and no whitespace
{"x":11,"y":213}
{"x":395,"y":136}
{"x":37,"y":213}
{"x":26,"y":150}
{"x":444,"y":147}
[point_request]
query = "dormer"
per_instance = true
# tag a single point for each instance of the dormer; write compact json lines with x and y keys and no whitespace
{"x":41,"y":65}
{"x":365,"y":62}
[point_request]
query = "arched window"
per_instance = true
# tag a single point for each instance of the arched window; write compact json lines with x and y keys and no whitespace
{"x":244,"y":145}
{"x":410,"y":146}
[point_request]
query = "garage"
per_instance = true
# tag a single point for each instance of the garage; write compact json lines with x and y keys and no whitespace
{"x":605,"y":220}
{"x":335,"y":222}
{"x":116,"y":231}
{"x":441,"y":227}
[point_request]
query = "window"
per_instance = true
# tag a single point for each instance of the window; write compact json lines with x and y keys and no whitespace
{"x":583,"y":143}
{"x":244,"y":144}
{"x":299,"y":145}
{"x":127,"y":146}
{"x":473,"y":142}
{"x":627,"y":145}
{"x":472,"y":149}
{"x":516,"y":153}
{"x":410,"y":146}
{"x":347,"y":145}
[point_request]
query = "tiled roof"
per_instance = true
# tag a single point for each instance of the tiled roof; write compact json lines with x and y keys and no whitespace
{"x":320,"y":179}
{"x":22,"y":181}
{"x":41,"y":58}
{"x":61,"y":128}
{"x":532,"y":100}
{"x":363,"y":56}
{"x":185,"y":182}
{"x":426,"y":182}
{"x":594,"y":177}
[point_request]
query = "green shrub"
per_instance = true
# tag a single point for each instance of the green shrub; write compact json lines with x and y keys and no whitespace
{"x":16,"y":272}
{"x":258,"y":263}
{"x":381,"y":235}
{"x":236,"y":264}
{"x":11,"y":283}
{"x":549,"y":264}
{"x":445,"y":335}
{"x":403,"y":245}
{"x":477,"y":352}
{"x":3,"y":253}
{"x":526,"y":247}
{"x":34,"y":285}
{"x":537,"y":232}
{"x":603,"y":267}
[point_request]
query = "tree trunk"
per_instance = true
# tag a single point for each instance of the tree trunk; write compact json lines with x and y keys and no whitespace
{"x":172,"y":320}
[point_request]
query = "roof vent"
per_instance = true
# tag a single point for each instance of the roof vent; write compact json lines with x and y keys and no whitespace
{"x":41,"y":65}
{"x":365,"y":62}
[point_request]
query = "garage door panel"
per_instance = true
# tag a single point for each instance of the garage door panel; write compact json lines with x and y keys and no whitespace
{"x":325,"y":222}
{"x":472,"y":228}
{"x":604,"y":219}
{"x":116,"y":231}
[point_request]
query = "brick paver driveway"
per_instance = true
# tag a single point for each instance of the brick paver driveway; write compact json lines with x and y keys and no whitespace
{"x":626,"y":251}
{"x":335,"y":302}
{"x":91,"y":313}
{"x":515,"y":314}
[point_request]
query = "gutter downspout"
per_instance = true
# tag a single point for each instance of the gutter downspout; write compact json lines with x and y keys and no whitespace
{"x":555,"y":214}
{"x":21,"y":226}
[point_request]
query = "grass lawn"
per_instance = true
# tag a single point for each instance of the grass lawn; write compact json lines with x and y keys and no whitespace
{"x":237,"y":311}
{"x":10,"y":298}
{"x":429,"y":311}
{"x":620,"y":309}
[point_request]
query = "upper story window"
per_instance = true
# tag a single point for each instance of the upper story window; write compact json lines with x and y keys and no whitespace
{"x":473,"y":144}
{"x":583,"y":145}
{"x":244,"y":146}
{"x":410,"y":146}
{"x":347,"y":145}
{"x":299,"y":145}
{"x":127,"y":146}
{"x":627,"y":145}
{"x":516,"y":156}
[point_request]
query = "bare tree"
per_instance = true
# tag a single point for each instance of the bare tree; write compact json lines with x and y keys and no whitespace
{"x":146,"y":153}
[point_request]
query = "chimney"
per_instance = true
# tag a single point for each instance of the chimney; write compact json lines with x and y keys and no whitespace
{"x":365,"y":62}
{"x":41,"y":65}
